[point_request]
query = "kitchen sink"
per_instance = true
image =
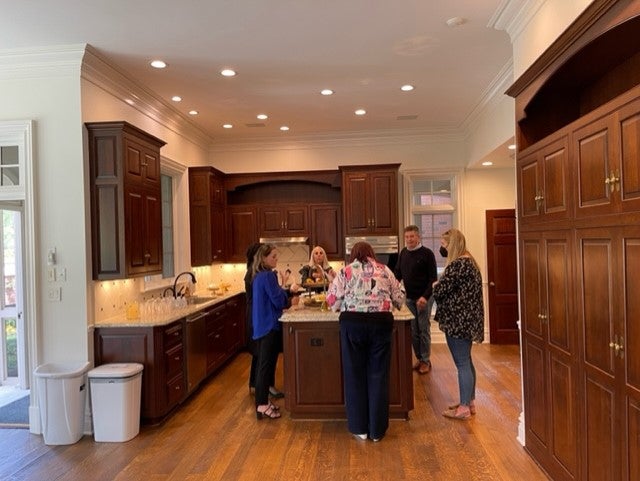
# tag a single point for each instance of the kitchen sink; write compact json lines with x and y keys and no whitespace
{"x":195,"y":300}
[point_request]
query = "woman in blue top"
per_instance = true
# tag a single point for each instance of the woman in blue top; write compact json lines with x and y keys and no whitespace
{"x":269,"y":300}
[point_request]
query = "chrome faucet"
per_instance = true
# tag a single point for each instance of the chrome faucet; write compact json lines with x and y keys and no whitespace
{"x":175,"y":283}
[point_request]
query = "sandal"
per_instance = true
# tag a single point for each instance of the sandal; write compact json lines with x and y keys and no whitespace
{"x":472,"y":407}
{"x":457,"y":413}
{"x":271,"y":412}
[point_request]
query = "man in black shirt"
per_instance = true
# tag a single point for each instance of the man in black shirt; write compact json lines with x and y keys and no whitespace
{"x":417,"y":268}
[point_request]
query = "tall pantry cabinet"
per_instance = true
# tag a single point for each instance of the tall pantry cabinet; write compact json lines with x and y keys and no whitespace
{"x":578,"y":136}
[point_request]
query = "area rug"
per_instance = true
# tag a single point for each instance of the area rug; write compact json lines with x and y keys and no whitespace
{"x":15,"y":414}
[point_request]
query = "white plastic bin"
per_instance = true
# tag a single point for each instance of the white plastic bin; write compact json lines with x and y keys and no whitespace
{"x":115,"y":401}
{"x":61,"y":398}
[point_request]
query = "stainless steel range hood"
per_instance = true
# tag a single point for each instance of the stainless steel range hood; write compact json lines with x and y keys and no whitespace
{"x":278,"y":241}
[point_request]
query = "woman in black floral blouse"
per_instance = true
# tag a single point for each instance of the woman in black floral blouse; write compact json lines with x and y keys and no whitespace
{"x":460,"y":313}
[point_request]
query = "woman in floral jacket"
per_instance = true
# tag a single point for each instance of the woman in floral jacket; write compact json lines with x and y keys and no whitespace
{"x":460,"y":314}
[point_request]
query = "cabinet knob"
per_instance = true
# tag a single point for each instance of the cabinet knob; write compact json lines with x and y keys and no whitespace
{"x":492,"y":284}
{"x":147,"y":255}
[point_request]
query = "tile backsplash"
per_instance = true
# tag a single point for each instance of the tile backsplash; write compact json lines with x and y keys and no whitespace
{"x":111,"y":298}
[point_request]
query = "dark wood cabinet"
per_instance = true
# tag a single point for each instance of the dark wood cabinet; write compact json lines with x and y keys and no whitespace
{"x":578,"y":131}
{"x":126,"y":211}
{"x":206,"y":216}
{"x":326,"y":229}
{"x":550,"y":348}
{"x":314,"y":393}
{"x":168,"y":355}
{"x":283,"y":221}
{"x":609,"y":312}
{"x":242,"y":231}
{"x":543,"y":178}
{"x":161,"y":351}
{"x":370,"y":200}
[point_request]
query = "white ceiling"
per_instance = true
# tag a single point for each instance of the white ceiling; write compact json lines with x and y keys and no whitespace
{"x":285,"y":52}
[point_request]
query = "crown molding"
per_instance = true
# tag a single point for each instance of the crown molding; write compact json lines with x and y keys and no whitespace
{"x":513,"y":16}
{"x":342,"y":139}
{"x":105,"y":75}
{"x":49,"y":62}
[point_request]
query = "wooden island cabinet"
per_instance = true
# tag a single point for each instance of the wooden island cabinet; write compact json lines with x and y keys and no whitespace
{"x":313,"y":369}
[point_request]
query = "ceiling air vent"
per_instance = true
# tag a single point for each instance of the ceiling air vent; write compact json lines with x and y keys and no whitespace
{"x":407,"y":117}
{"x":259,"y":124}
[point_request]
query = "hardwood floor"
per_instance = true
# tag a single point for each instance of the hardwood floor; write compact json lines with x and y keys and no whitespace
{"x":215,"y":436}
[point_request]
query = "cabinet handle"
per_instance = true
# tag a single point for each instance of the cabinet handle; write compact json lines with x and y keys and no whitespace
{"x":538,"y":198}
{"x":147,"y":255}
{"x":177,"y":358}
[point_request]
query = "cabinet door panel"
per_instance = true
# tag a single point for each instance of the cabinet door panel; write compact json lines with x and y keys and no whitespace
{"x":326,"y":229}
{"x":633,"y":446}
{"x":596,"y":268}
{"x":529,"y":188}
{"x":271,"y":222}
{"x":135,"y":230}
{"x":384,"y":202}
{"x":631,"y":315}
{"x":535,"y":392}
{"x":555,"y":162}
{"x":628,"y":188}
{"x":153,"y":233}
{"x":600,"y":441}
{"x":356,"y":212}
{"x":559,"y":292}
{"x":532,"y":285}
{"x":594,"y":156}
{"x":563,"y":415}
{"x":242,"y":232}
{"x":296,"y":220}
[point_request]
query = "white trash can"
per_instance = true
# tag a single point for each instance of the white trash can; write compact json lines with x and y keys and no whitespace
{"x":115,"y":401}
{"x":62,"y":395}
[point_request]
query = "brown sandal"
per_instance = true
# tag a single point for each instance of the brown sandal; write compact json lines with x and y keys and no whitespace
{"x":472,"y":407}
{"x":271,"y":412}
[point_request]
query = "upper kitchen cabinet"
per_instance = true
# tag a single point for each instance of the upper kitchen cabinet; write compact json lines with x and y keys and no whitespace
{"x":326,"y":229}
{"x":126,"y":211}
{"x":284,"y":221}
{"x":370,"y":199}
{"x":241,"y":231}
{"x":543,"y":176}
{"x":206,"y":215}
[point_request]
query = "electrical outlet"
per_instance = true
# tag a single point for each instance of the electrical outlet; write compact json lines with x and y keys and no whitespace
{"x":51,"y":274}
{"x":53,"y":294}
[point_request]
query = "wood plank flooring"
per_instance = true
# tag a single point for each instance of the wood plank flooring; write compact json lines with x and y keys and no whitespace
{"x":215,"y":436}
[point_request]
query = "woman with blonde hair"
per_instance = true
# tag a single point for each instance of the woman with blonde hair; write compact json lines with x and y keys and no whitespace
{"x":460,"y":314}
{"x":318,"y":268}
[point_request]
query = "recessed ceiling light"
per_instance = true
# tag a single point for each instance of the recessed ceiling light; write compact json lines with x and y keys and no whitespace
{"x":176,"y":98}
{"x":456,"y":21}
{"x":129,"y":101}
{"x":407,"y":88}
{"x":262,"y":116}
{"x":511,"y":147}
{"x":193,"y":112}
{"x":360,"y":112}
{"x":158,"y":64}
{"x":227,"y":72}
{"x":488,"y":162}
{"x":227,"y":126}
{"x":284,"y":128}
{"x":326,"y":92}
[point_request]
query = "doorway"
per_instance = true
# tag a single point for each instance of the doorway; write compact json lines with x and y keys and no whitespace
{"x":502,"y":273}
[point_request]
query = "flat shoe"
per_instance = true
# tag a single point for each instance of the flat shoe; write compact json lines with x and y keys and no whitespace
{"x":274,"y":393}
{"x":472,"y":407}
{"x":424,"y":368}
{"x":454,"y":414}
{"x":360,"y":437}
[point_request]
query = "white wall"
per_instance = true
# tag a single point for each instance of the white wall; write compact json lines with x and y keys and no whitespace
{"x":553,"y":17}
{"x":47,"y":90}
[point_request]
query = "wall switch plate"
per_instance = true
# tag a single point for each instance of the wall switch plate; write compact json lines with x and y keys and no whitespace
{"x":53,"y":294}
{"x":61,"y":274}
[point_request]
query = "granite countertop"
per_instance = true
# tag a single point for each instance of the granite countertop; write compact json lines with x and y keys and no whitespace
{"x":301,"y":313}
{"x":174,"y":315}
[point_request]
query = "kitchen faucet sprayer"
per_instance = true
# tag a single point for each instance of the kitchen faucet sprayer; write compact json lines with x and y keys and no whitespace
{"x":175,"y":282}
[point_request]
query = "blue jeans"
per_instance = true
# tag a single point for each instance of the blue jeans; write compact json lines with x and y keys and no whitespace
{"x":420,"y":331}
{"x":461,"y":352}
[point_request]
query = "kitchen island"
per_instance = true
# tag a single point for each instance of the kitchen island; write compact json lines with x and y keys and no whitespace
{"x":313,"y":379}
